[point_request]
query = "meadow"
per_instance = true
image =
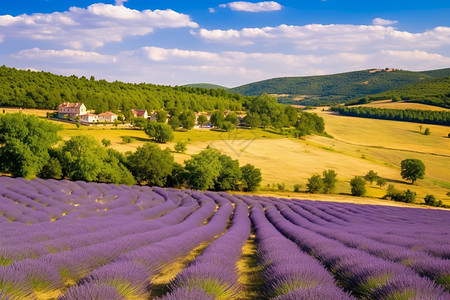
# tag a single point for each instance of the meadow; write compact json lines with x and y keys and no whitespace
{"x":358,"y":145}
{"x":76,"y":240}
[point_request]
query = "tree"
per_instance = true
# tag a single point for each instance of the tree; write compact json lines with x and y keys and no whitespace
{"x":230,"y":174}
{"x":358,"y":186}
{"x":174,"y":122}
{"x":52,"y":170}
{"x":217,"y":119}
{"x":106,"y":142}
{"x":432,"y":201}
{"x":161,"y":133}
{"x":252,"y":120}
{"x":83,"y":158}
{"x":315,"y":184}
{"x":381,"y":181}
{"x":187,"y":119}
{"x":427,"y":131}
{"x":25,"y":141}
{"x":126,"y":139}
{"x":203,"y":169}
{"x":251,"y":177}
{"x":329,"y":181}
{"x":202,"y":121}
{"x":180,"y":147}
{"x":412,"y":169}
{"x":371,"y":176}
{"x":150,"y":165}
{"x":227,"y":126}
{"x":161,"y":116}
{"x":232,"y":118}
{"x":139,"y":122}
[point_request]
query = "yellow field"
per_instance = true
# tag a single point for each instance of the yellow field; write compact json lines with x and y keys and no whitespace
{"x":359,"y":145}
{"x":402,"y":105}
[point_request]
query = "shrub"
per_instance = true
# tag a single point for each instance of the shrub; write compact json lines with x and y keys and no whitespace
{"x":371,"y":176}
{"x":407,"y":196}
{"x":126,"y":139}
{"x":427,"y":131}
{"x":297,"y":188}
{"x":251,"y":177}
{"x":432,"y":201}
{"x":106,"y":142}
{"x":315,"y":184}
{"x":329,"y":181}
{"x":381,"y":181}
{"x":358,"y":186}
{"x":180,"y":147}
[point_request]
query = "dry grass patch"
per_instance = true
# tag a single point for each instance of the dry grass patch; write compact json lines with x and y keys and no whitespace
{"x":402,"y":105}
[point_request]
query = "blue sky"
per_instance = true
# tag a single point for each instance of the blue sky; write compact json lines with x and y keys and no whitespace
{"x":228,"y":43}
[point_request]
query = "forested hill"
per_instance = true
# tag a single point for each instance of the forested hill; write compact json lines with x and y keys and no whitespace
{"x":434,"y":92}
{"x":338,"y":87}
{"x":30,"y":89}
{"x":206,"y":86}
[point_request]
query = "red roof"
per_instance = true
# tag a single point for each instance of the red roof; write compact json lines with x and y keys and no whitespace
{"x":138,"y":113}
{"x":108,"y":113}
{"x":69,"y":104}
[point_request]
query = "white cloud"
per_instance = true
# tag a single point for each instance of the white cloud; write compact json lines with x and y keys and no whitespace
{"x":92,"y":26}
{"x":334,"y":37}
{"x":383,"y":22}
{"x":211,"y":10}
{"x":252,"y":7}
{"x":65,"y":56}
{"x":121,"y":2}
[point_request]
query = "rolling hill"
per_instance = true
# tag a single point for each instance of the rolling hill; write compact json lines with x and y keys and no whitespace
{"x":336,"y":88}
{"x":206,"y":86}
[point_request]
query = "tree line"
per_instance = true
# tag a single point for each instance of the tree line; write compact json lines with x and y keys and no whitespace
{"x":44,"y":90}
{"x":31,"y":147}
{"x":410,"y":115}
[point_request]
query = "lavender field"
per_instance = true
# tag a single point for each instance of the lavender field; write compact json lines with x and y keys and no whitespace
{"x":76,"y":240}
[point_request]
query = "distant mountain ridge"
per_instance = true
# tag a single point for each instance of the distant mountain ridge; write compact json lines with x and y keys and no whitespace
{"x":336,"y":88}
{"x":206,"y":86}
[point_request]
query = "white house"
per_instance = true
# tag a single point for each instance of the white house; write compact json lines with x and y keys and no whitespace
{"x":107,"y":117}
{"x":71,"y":109}
{"x":89,"y":118}
{"x":139,"y":113}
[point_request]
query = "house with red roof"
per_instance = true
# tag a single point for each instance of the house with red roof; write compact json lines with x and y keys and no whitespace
{"x":71,"y":109}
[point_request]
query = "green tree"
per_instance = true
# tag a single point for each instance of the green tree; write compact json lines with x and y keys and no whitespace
{"x":180,"y":147}
{"x":83,"y":158}
{"x":187,"y":119}
{"x":161,"y":116}
{"x":381,"y":181}
{"x":371,"y":176}
{"x":427,"y":131}
{"x":412,"y":169}
{"x":217,"y":119}
{"x":230,"y":174}
{"x":139,"y":122}
{"x":162,"y":133}
{"x":227,"y":126}
{"x":329,"y":181}
{"x":51,"y":170}
{"x":106,"y":142}
{"x":150,"y":165}
{"x":358,"y":186}
{"x":202,"y":120}
{"x":315,"y":184}
{"x":432,"y":201}
{"x":203,"y":169}
{"x":25,"y":141}
{"x":251,"y":177}
{"x":174,"y":122}
{"x":252,"y":120}
{"x":232,"y":118}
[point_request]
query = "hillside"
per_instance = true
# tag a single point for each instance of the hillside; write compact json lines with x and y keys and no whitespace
{"x":30,"y":89}
{"x":313,"y":90}
{"x":434,"y":92}
{"x":206,"y":86}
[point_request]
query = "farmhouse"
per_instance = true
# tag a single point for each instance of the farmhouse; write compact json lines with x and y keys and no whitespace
{"x":107,"y":117}
{"x":89,"y":118}
{"x":139,"y":113}
{"x":71,"y":109}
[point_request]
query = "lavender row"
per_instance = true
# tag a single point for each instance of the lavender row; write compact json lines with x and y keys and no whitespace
{"x":69,"y":266}
{"x":129,"y":274}
{"x":435,"y":268}
{"x":212,"y":271}
{"x":27,"y":248}
{"x":289,"y":273}
{"x":365,"y":275}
